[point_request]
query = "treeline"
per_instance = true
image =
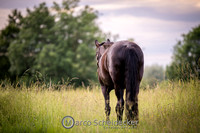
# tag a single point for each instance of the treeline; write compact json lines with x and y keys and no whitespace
{"x":153,"y":75}
{"x":186,"y":57}
{"x":56,"y":44}
{"x":185,"y":63}
{"x":50,"y":43}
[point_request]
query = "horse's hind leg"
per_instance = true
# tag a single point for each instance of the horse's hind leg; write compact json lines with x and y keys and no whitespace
{"x":132,"y":110}
{"x":132,"y":107}
{"x":106,"y":92}
{"x":120,"y":103}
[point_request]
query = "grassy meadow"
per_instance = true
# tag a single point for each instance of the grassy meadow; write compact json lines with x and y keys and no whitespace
{"x":169,"y":107}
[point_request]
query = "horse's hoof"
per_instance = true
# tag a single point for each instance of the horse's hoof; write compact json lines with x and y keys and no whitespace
{"x":107,"y":119}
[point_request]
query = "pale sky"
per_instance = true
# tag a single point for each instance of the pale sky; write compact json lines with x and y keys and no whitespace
{"x":155,"y":25}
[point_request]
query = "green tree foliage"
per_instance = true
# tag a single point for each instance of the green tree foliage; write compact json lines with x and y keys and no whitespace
{"x":57,"y":43}
{"x":186,"y":57}
{"x":73,"y":53}
{"x":7,"y":35}
{"x":35,"y":33}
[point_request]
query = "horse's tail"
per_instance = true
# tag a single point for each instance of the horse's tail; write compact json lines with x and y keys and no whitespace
{"x":132,"y":65}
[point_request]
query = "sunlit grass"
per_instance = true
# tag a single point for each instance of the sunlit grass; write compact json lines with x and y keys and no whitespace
{"x":170,"y":107}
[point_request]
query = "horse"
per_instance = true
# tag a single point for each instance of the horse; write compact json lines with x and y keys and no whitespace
{"x":120,"y":66}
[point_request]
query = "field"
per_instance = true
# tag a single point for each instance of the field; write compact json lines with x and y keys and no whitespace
{"x":169,"y":107}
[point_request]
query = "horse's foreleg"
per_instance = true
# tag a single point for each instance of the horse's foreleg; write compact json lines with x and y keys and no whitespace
{"x":120,"y":103}
{"x":106,"y":92}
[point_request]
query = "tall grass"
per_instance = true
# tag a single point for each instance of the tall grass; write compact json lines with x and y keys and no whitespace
{"x":169,"y":107}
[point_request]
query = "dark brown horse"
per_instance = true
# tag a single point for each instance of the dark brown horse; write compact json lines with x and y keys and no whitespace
{"x":120,"y":66}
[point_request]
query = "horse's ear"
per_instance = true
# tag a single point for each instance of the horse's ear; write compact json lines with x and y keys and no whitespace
{"x":108,"y":40}
{"x":96,"y":43}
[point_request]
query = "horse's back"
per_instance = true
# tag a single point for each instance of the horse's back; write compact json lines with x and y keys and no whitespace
{"x":118,"y":54}
{"x":119,"y":51}
{"x":120,"y":48}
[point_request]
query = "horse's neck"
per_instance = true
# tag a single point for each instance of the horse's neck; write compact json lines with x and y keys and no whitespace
{"x":104,"y":61}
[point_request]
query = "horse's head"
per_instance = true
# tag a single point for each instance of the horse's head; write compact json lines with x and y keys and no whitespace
{"x":101,"y":48}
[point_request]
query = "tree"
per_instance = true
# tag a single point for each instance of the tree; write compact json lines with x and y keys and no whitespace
{"x":7,"y":35}
{"x":35,"y":33}
{"x":58,"y":44}
{"x":186,"y":57}
{"x":74,"y":52}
